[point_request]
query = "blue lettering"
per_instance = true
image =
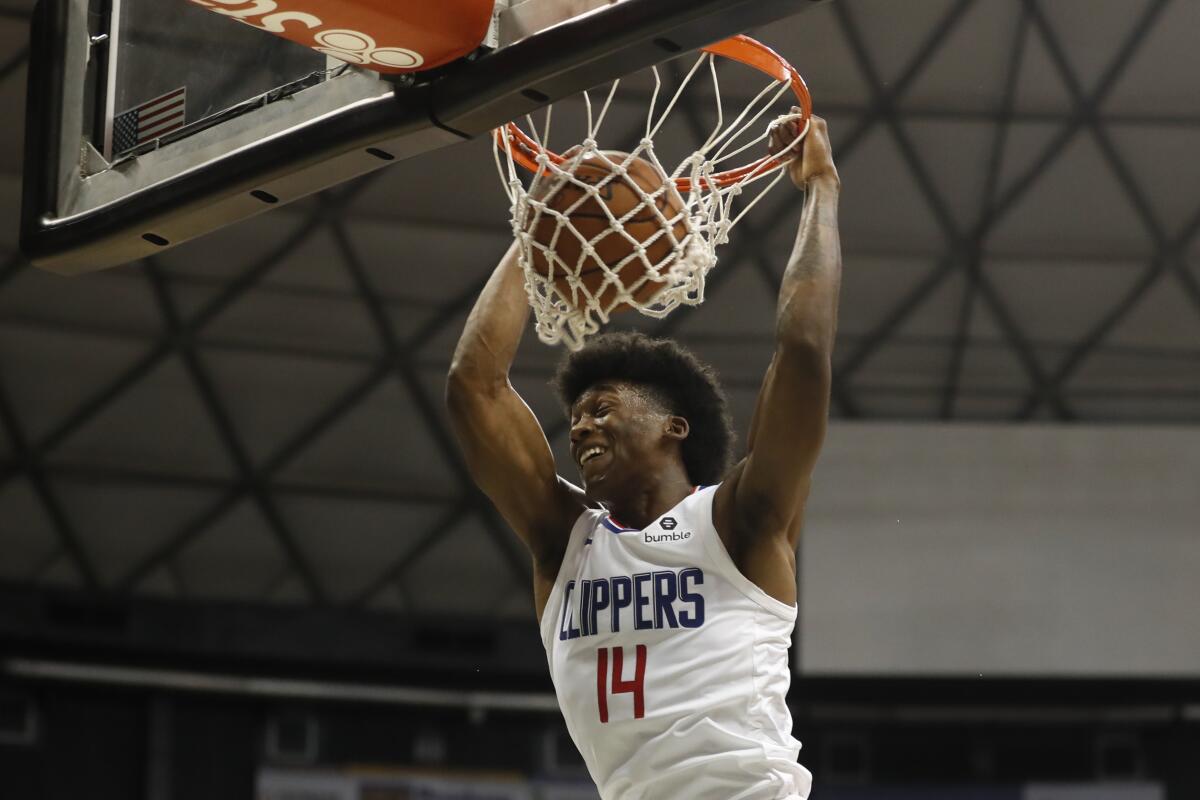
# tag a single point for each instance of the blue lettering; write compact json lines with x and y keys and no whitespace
{"x":695,"y":617}
{"x":664,"y":596}
{"x":641,"y":595}
{"x":585,"y":600}
{"x":663,"y":599}
{"x":599,"y":602}
{"x":622,"y":597}
{"x":566,"y":630}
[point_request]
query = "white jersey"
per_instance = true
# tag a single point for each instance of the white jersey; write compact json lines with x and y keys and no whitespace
{"x":670,"y":665}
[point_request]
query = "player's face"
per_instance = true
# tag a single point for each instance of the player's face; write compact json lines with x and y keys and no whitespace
{"x":614,"y":429}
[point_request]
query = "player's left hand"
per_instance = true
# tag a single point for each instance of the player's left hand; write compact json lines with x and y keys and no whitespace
{"x":813,"y":157}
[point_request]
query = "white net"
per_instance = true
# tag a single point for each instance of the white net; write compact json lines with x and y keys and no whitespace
{"x":587,"y":255}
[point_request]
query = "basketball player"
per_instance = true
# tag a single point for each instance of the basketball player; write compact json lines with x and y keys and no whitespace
{"x":666,"y":586}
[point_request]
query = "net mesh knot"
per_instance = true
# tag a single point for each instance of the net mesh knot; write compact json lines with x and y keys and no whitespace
{"x":567,"y":309}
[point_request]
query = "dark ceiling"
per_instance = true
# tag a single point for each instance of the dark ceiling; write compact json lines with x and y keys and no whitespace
{"x":256,"y":416}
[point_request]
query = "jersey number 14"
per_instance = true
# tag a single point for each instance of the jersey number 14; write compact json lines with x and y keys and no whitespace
{"x":619,"y":684}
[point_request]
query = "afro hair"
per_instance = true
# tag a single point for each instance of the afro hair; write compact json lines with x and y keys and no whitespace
{"x":673,"y":376}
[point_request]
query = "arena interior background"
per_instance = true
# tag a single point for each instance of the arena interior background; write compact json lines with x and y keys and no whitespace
{"x":236,"y":453}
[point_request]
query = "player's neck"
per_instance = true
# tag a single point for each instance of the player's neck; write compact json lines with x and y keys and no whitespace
{"x":650,"y":497}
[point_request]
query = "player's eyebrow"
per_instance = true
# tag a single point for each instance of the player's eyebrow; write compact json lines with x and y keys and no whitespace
{"x":598,"y":392}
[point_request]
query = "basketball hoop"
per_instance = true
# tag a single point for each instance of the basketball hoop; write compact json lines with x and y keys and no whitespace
{"x":568,"y":301}
{"x":741,"y":48}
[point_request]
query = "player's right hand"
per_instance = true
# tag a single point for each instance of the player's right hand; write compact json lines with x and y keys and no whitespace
{"x":814,"y":156}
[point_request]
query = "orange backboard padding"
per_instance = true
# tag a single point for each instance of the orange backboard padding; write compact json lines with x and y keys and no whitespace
{"x":392,"y":36}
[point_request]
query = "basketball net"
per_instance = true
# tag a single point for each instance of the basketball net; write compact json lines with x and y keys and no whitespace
{"x":565,"y":309}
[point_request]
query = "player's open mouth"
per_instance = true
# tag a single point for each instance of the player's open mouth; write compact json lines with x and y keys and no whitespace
{"x":590,"y":453}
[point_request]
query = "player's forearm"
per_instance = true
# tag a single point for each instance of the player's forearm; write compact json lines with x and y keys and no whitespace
{"x":808,"y":295}
{"x":489,"y":341}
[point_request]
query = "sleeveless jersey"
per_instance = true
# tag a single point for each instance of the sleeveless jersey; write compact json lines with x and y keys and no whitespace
{"x":670,"y":666}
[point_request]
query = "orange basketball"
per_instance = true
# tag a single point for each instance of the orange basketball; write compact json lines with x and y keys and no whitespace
{"x":619,"y":194}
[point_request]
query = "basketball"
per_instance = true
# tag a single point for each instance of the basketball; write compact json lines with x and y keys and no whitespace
{"x":623,"y":194}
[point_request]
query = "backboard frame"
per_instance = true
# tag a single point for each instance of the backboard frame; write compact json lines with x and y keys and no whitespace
{"x":81,"y":214}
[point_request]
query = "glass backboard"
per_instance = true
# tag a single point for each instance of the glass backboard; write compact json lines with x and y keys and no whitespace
{"x":154,"y":95}
{"x":152,"y":122}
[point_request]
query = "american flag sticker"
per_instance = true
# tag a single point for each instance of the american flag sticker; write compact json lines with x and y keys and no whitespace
{"x":150,"y":120}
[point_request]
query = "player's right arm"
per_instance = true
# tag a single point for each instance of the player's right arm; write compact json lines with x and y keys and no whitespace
{"x":504,"y":446}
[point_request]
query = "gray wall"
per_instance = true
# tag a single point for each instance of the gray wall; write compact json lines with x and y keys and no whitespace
{"x":1001,"y":550}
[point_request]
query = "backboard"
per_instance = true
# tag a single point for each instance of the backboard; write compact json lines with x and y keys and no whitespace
{"x":152,"y":122}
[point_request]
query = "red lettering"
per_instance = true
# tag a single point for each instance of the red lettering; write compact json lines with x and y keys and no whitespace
{"x":636,"y":687}
{"x":602,"y":682}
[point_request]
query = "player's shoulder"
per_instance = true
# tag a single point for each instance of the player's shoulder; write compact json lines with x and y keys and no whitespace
{"x":575,"y":510}
{"x":551,"y":526}
{"x":701,"y":496}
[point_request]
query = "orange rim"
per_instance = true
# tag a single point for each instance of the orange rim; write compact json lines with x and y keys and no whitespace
{"x":740,"y":48}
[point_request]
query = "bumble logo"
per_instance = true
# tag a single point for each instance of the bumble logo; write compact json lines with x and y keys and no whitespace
{"x":669,"y":534}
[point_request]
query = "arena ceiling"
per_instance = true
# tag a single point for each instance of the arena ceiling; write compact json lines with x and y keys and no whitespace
{"x":256,"y":417}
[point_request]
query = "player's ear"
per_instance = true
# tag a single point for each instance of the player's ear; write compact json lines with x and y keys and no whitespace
{"x":677,"y":428}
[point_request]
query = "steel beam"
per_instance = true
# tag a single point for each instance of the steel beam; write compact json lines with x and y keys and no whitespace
{"x":1086,"y":110}
{"x":400,"y":361}
{"x":231,"y":440}
{"x":1008,"y":198}
{"x":162,"y":349}
{"x":955,"y":240}
{"x":974,"y":264}
{"x":31,"y":465}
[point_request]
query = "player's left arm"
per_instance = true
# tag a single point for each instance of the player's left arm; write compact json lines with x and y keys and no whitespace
{"x":765,"y":494}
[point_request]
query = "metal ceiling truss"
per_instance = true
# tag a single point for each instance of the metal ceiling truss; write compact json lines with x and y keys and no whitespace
{"x":963,"y":249}
{"x":399,"y":358}
{"x":179,"y":338}
{"x":990,"y":187}
{"x":1167,"y":251}
{"x":180,"y":334}
{"x":226,"y":429}
{"x":1045,"y":388}
{"x":29,"y":462}
{"x":402,"y":354}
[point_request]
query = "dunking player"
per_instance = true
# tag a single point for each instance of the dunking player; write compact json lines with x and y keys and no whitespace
{"x":666,"y":587}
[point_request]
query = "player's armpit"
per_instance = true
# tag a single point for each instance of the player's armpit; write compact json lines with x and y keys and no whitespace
{"x":511,"y":461}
